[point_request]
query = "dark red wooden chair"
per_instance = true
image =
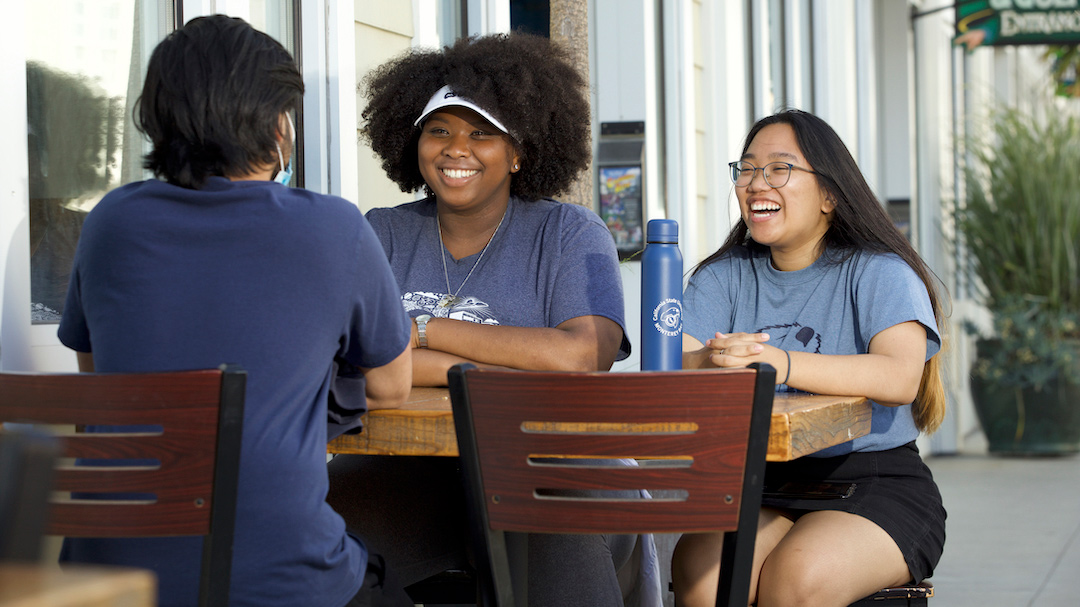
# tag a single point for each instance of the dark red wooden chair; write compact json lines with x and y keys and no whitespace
{"x":705,"y":434}
{"x":182,"y":466}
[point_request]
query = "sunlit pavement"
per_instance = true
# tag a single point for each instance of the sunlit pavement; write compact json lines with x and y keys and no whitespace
{"x":1013,"y":532}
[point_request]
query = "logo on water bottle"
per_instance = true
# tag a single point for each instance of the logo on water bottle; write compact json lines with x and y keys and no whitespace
{"x":667,"y":317}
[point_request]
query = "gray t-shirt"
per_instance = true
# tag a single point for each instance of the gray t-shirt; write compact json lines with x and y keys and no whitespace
{"x":548,"y":262}
{"x":826,"y":308}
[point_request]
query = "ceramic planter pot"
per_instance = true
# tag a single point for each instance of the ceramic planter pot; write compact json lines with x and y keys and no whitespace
{"x":1026,"y":421}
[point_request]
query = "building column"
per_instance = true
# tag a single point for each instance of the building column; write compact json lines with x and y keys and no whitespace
{"x":570,"y":28}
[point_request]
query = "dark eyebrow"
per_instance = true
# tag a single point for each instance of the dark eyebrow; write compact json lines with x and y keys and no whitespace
{"x":774,"y":156}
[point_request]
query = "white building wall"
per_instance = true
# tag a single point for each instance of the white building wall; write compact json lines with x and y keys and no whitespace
{"x":624,"y":44}
{"x":697,"y":223}
{"x":380,"y":35}
{"x":620,"y":47}
{"x":798,"y":55}
{"x":329,"y":108}
{"x":835,"y":83}
{"x":894,"y":99}
{"x":680,"y":117}
{"x":724,"y":119}
{"x":15,"y":347}
{"x":867,"y":49}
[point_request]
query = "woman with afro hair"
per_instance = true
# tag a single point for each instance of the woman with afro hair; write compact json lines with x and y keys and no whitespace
{"x":495,"y":272}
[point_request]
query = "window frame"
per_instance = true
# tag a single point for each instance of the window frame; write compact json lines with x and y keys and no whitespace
{"x":329,"y":154}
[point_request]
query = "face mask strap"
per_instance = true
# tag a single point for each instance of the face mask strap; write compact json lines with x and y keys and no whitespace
{"x":284,"y":176}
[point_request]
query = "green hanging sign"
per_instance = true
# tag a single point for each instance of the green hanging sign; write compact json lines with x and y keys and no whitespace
{"x":1007,"y":22}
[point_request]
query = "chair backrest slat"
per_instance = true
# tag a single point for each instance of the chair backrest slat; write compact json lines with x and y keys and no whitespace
{"x":169,"y":449}
{"x":187,"y":398}
{"x":169,"y":483}
{"x":127,"y":519}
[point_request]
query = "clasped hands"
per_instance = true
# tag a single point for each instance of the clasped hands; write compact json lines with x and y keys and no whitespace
{"x":734,"y":350}
{"x":737,"y":349}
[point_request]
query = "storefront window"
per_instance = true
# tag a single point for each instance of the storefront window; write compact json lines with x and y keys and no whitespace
{"x":81,"y":138}
{"x":84,"y":69}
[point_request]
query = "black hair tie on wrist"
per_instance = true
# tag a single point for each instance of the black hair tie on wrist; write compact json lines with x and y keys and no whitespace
{"x":788,"y":374}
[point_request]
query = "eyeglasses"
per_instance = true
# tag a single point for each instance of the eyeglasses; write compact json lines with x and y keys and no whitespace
{"x":776,"y":174}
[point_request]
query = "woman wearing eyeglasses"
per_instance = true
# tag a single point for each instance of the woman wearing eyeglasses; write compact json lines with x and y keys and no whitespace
{"x":816,"y":281}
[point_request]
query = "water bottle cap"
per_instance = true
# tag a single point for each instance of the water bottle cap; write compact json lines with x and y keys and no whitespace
{"x":662,"y":230}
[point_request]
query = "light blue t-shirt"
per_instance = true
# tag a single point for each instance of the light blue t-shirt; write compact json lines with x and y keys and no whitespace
{"x":826,"y":308}
{"x":547,"y":263}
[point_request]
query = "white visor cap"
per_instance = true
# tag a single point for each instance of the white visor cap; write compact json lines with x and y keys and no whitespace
{"x":445,"y":97}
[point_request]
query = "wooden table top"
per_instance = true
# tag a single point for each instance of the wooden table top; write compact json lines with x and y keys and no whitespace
{"x":424,"y":425}
{"x":31,"y":585}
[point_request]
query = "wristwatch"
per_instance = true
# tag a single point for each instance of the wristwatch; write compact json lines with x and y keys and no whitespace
{"x":421,"y":329}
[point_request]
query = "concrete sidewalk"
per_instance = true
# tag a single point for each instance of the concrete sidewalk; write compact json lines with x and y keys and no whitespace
{"x":1012,"y":536}
{"x":1013,"y":532}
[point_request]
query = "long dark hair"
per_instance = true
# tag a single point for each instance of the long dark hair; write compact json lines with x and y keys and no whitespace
{"x":859,"y":223}
{"x":212,"y":103}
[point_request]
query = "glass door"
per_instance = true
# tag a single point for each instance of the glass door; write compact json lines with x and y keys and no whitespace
{"x":81,"y":141}
{"x":73,"y":69}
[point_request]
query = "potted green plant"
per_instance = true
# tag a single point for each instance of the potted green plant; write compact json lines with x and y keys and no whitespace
{"x":1021,"y":227}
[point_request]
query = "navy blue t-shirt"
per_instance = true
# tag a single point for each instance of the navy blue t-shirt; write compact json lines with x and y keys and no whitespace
{"x":280,"y":281}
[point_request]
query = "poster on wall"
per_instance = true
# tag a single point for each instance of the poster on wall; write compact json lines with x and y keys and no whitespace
{"x":620,"y":207}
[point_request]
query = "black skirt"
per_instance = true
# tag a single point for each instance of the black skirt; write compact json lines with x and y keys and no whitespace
{"x":892,"y":488}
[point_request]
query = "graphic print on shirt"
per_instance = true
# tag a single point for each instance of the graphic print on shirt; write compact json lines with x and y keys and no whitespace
{"x":470,"y":308}
{"x":803,"y":335}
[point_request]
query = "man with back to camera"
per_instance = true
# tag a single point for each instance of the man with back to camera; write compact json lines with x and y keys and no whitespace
{"x":218,"y":261}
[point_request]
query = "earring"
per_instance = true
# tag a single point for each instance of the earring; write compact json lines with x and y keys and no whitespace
{"x":516,"y":166}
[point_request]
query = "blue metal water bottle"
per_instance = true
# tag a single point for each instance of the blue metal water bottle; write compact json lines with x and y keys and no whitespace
{"x":661,"y":297}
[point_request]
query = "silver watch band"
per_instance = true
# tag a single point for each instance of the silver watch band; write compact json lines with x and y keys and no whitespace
{"x":421,"y":329}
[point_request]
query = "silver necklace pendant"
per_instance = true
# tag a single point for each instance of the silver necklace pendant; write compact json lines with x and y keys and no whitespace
{"x":449,"y":300}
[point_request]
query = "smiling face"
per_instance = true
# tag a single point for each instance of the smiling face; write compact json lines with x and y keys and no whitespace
{"x":791,"y":220}
{"x":465,"y":160}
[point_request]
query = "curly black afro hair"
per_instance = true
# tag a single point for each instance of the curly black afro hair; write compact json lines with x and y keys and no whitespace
{"x":527,"y":82}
